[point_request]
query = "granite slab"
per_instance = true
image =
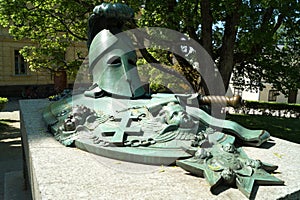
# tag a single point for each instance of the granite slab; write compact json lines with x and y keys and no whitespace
{"x":59,"y":172}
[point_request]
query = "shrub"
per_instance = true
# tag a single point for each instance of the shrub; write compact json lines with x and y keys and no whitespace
{"x":3,"y":100}
{"x":272,"y":106}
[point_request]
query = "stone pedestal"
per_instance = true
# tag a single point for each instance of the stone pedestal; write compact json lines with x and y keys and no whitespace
{"x":59,"y":172}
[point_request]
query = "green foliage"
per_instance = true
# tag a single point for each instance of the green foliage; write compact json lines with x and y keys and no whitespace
{"x":272,"y":106}
{"x":52,"y":26}
{"x":3,"y":100}
{"x":261,"y":27}
{"x":268,"y":46}
{"x":256,"y":28}
{"x":284,"y":62}
{"x":160,"y":81}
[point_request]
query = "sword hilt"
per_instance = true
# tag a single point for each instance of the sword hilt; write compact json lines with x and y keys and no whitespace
{"x":235,"y":101}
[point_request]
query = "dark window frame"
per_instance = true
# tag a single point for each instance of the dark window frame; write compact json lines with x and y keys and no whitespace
{"x":272,"y":95}
{"x":20,"y":65}
{"x":238,"y":91}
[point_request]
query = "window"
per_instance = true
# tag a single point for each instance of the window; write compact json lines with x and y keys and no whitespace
{"x":238,"y":91}
{"x":273,"y":95}
{"x":20,"y":64}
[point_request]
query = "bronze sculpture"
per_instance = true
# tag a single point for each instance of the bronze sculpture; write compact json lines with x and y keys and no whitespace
{"x":116,"y":118}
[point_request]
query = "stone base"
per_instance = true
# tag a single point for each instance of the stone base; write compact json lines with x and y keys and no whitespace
{"x":59,"y":172}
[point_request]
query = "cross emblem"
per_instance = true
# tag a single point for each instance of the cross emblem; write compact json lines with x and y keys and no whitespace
{"x":118,"y":133}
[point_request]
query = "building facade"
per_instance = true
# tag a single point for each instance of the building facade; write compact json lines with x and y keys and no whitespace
{"x":16,"y":79}
{"x":268,"y":94}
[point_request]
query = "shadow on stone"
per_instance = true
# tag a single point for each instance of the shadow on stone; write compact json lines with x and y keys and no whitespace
{"x":12,"y":105}
{"x":219,"y":189}
{"x":254,"y":192}
{"x":10,"y":141}
{"x":10,"y":152}
{"x":7,"y":131}
{"x":267,"y":145}
{"x":4,"y":121}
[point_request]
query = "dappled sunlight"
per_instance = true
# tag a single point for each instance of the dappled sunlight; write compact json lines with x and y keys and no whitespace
{"x":9,"y":129}
{"x":16,"y":145}
{"x":11,"y":140}
{"x":10,"y":136}
{"x":5,"y":121}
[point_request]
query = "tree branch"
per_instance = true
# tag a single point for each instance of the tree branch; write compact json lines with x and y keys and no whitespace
{"x":278,"y":24}
{"x":266,"y":17}
{"x":191,"y":74}
{"x":153,"y":62}
{"x":66,"y":26}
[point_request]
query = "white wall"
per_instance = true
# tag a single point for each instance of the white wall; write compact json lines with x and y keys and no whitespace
{"x":251,"y":96}
{"x":264,"y":95}
{"x":261,"y":95}
{"x":246,"y":95}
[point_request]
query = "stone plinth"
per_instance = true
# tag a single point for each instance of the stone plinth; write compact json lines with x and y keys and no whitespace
{"x":59,"y":172}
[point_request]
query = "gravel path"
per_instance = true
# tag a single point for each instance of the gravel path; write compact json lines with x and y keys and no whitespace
{"x":11,"y":153}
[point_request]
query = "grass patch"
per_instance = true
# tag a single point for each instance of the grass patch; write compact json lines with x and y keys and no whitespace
{"x":284,"y":128}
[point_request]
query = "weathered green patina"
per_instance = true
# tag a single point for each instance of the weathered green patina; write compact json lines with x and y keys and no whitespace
{"x":117,"y":119}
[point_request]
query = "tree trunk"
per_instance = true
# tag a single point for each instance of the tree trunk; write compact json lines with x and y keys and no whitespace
{"x":227,"y":50}
{"x":60,"y":80}
{"x":206,"y":30}
{"x":206,"y":35}
{"x":292,"y":98}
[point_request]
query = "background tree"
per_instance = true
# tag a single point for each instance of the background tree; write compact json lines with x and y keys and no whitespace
{"x":242,"y":36}
{"x":52,"y":26}
{"x":268,"y":50}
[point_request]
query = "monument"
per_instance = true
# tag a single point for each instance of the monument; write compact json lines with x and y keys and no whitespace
{"x":117,"y":118}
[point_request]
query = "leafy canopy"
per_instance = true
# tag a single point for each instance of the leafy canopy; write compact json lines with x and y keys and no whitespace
{"x":256,"y":40}
{"x":52,"y":25}
{"x":243,"y":36}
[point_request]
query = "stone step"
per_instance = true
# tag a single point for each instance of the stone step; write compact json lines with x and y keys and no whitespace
{"x":14,"y":188}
